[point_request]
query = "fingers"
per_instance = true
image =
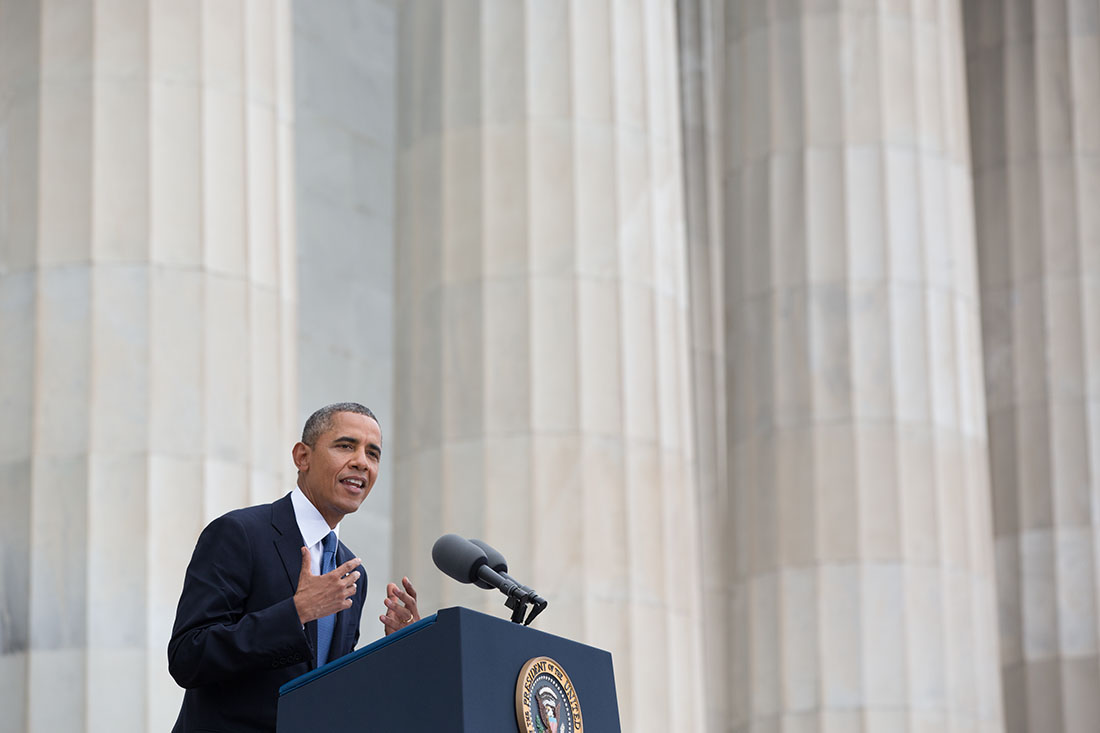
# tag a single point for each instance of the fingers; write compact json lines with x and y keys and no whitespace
{"x":322,"y":595}
{"x":348,"y":567}
{"x":389,"y":624}
{"x":409,"y":587}
{"x":404,"y":612}
{"x":348,"y":583}
{"x":395,"y":620}
{"x":409,"y":599}
{"x":322,"y":598}
{"x":400,"y":606}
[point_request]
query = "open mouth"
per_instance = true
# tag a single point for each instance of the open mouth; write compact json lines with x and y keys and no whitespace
{"x":355,"y":483}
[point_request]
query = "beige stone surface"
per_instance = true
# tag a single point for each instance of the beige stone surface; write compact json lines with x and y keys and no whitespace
{"x":543,"y":384}
{"x":861,"y":581}
{"x":145,"y":331}
{"x":1033,"y":88}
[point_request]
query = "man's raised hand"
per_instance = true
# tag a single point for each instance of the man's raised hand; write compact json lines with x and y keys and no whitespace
{"x":322,"y":595}
{"x":401,"y":607}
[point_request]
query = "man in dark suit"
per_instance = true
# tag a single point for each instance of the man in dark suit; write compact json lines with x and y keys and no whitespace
{"x":256,"y":608}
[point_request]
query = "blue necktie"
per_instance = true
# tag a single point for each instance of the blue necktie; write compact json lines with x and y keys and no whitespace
{"x":325,"y":623}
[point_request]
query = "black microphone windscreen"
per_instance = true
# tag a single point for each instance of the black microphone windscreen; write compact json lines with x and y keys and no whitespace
{"x":493,"y":558}
{"x":458,"y":557}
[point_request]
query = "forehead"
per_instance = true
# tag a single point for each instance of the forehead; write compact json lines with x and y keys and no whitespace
{"x":354,"y":425}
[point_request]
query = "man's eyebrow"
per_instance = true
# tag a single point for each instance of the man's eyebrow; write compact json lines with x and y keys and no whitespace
{"x":349,"y":439}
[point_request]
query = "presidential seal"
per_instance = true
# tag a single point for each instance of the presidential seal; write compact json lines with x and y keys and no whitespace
{"x":545,"y":699}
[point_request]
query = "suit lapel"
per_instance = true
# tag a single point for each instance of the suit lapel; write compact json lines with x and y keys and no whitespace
{"x":288,"y":539}
{"x":288,"y":543}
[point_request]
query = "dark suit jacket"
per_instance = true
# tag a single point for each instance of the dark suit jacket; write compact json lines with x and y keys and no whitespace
{"x":237,"y":637}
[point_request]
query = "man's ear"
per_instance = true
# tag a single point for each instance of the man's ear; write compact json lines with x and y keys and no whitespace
{"x":301,"y":453}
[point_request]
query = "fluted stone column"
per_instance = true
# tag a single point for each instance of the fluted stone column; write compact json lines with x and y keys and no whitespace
{"x":146,"y":331}
{"x":1034,"y":73}
{"x":863,"y":595}
{"x":700,"y":24}
{"x":542,"y":388}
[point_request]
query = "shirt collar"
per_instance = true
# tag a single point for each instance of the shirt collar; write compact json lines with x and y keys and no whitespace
{"x":310,"y":522}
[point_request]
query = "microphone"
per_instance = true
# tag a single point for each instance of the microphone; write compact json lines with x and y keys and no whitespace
{"x":493,"y":559}
{"x":492,"y":556}
{"x":497,"y":562}
{"x":473,"y":561}
{"x":467,"y":563}
{"x":458,"y":557}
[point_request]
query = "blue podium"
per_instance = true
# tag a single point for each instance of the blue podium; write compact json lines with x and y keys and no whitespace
{"x":454,"y":671}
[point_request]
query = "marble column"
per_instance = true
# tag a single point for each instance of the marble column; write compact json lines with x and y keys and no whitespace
{"x":146,"y":331}
{"x":542,"y":380}
{"x":700,"y":24}
{"x":862,"y":580}
{"x":1034,"y":79}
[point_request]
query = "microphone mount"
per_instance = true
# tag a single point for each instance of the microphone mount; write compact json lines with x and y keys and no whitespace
{"x":519,"y":596}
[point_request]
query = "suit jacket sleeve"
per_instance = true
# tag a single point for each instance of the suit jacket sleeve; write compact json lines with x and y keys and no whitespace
{"x":227,"y":623}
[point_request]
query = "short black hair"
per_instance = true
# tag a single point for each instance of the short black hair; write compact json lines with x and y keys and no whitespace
{"x":321,"y":420}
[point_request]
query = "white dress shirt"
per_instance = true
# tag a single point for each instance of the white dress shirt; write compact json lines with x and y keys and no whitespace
{"x":313,"y":527}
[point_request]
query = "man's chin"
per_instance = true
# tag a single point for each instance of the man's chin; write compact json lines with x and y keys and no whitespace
{"x":352,"y":507}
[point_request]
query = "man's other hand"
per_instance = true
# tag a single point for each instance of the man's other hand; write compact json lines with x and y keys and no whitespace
{"x":400,"y":607}
{"x":322,"y":595}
